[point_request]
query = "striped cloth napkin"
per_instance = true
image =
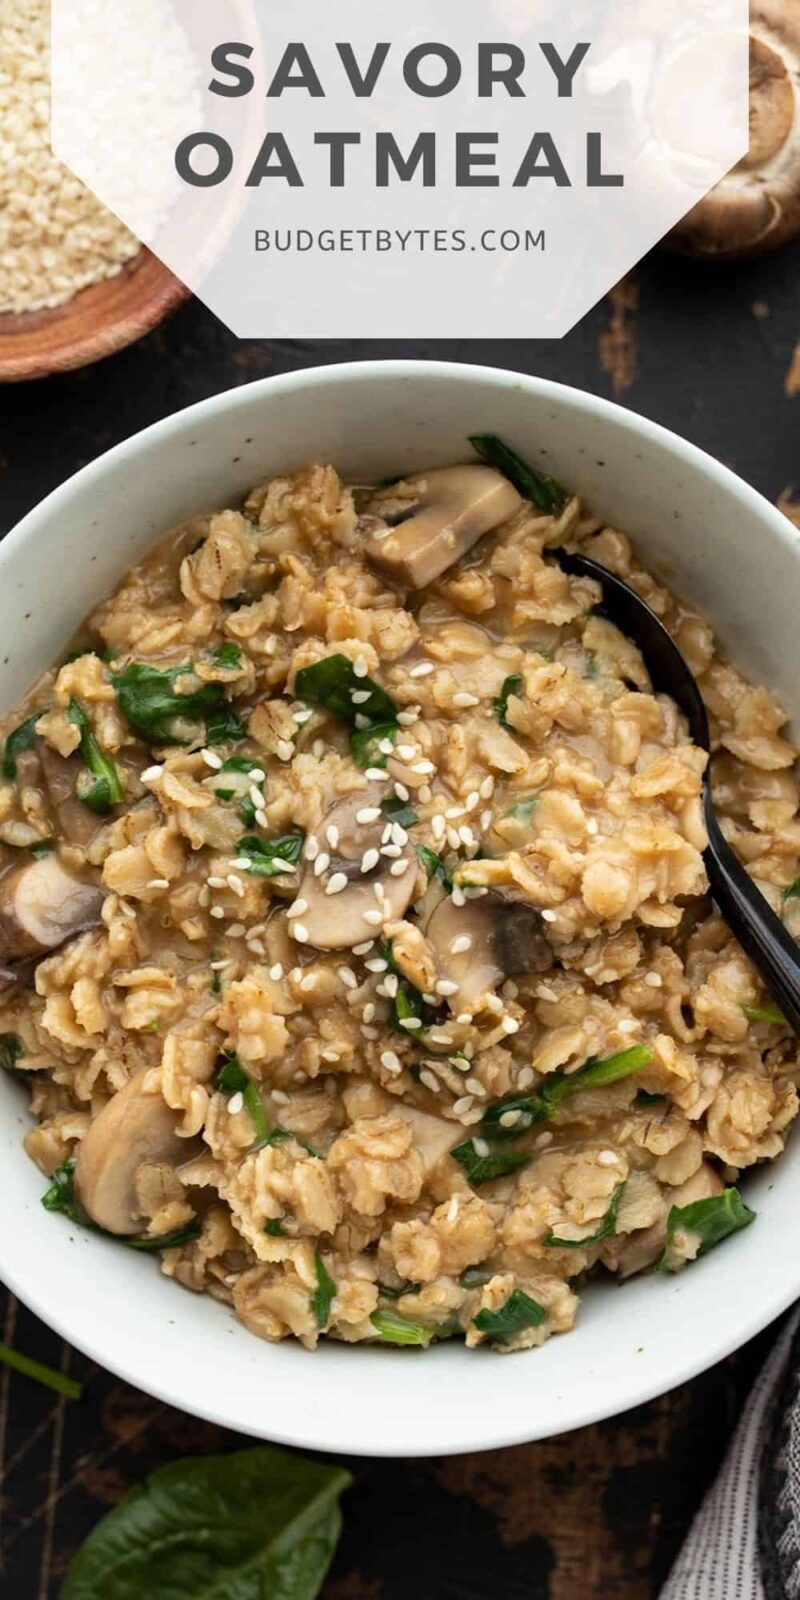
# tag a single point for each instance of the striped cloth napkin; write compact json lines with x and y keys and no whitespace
{"x":744,"y":1543}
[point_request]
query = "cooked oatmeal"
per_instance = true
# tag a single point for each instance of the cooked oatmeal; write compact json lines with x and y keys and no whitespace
{"x":355,"y":939}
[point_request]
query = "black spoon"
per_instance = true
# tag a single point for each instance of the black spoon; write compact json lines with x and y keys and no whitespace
{"x":759,"y":931}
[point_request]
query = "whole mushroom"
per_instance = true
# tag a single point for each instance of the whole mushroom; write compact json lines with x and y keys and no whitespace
{"x":359,"y":887}
{"x":756,"y":206}
{"x":440,"y":516}
{"x":135,"y":1126}
{"x":42,"y":905}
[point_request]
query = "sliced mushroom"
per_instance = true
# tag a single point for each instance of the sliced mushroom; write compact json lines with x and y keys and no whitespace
{"x":77,"y":823}
{"x":479,"y":944}
{"x":452,"y":508}
{"x":338,"y":908}
{"x":136,"y":1126}
{"x":756,"y":206}
{"x":41,"y":906}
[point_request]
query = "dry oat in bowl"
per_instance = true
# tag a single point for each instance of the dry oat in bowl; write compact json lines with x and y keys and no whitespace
{"x":354,"y":931}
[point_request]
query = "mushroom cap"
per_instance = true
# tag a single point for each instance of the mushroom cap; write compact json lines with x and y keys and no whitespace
{"x":506,"y":938}
{"x":41,"y":906}
{"x":136,"y":1126}
{"x":337,"y":921}
{"x":454,"y":507}
{"x":756,"y":206}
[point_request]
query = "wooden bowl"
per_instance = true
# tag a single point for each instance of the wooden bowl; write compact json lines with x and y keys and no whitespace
{"x":95,"y":323}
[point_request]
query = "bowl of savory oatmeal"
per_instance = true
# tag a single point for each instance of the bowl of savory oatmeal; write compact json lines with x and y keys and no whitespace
{"x":357,"y":961}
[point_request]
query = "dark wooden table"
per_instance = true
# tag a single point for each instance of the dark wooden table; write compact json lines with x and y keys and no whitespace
{"x":714,"y":354}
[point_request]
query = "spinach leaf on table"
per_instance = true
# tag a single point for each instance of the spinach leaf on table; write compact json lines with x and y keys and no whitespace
{"x":260,"y":1524}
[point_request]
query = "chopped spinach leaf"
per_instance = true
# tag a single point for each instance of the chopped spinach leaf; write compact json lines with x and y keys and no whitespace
{"x":643,"y":1098}
{"x":61,"y":1198}
{"x":765,"y":1014}
{"x":271,"y":858}
{"x":166,"y":1241}
{"x":325,"y":1293}
{"x":544,"y":492}
{"x":22,"y":738}
{"x":47,"y":1376}
{"x":793,"y":890}
{"x":559,"y":1086}
{"x":100,"y":787}
{"x":485,"y":1168}
{"x":331,"y":684}
{"x":227,"y":656}
{"x":241,"y":764}
{"x":366,"y":742}
{"x":10,"y":1052}
{"x":227,"y":794}
{"x":399,"y":811}
{"x":231,"y":1078}
{"x":711,"y":1220}
{"x":43,"y":847}
{"x":275,"y":1228}
{"x":387,"y":1291}
{"x":391,"y":1328}
{"x":259,"y":1522}
{"x":518,"y":1312}
{"x":434,"y":866}
{"x":607,"y":1226}
{"x":154,"y":709}
{"x":511,"y":686}
{"x":523,"y":809}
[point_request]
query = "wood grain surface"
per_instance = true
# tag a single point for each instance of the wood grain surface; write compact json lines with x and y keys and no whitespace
{"x":597,"y":1515}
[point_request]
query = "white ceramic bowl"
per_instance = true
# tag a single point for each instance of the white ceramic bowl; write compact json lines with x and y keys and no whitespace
{"x":717,"y":542}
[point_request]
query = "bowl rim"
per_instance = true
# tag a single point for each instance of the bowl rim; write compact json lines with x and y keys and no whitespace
{"x":675,"y":1369}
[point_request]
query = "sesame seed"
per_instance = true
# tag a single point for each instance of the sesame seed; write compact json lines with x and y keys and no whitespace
{"x":397,"y":868}
{"x":261,"y":819}
{"x":311,"y":850}
{"x":236,"y":930}
{"x":486,"y":789}
{"x":463,"y":1016}
{"x":297,"y":909}
{"x":379,"y":892}
{"x":509,"y":1119}
{"x":406,"y":752}
{"x":374,"y":918}
{"x":429,"y":1080}
{"x":486,"y":820}
{"x":411,"y":1023}
{"x":480,"y":1147}
{"x":362,"y":949}
{"x":369,"y":1033}
{"x":525,"y":1077}
{"x":360,"y":697}
{"x":386,"y":746}
{"x":308,"y":982}
{"x":276,"y":972}
{"x":453,"y":838}
{"x":329,"y":1055}
{"x":437,"y":1037}
{"x":318,"y":749}
{"x":549,"y":916}
{"x":466,"y":836}
{"x":445,"y":987}
{"x":464,"y":699}
{"x":387,"y":833}
{"x":607,"y":1158}
{"x":376,"y":775}
{"x":163,"y":883}
{"x":376,"y":965}
{"x":462,"y":1104}
{"x":544,"y":992}
{"x":391,"y":984}
{"x":361,"y":721}
{"x":510,"y":1025}
{"x":459,"y":946}
{"x":217,"y":883}
{"x":407,"y":719}
{"x":360,"y":667}
{"x":240,"y":861}
{"x":348,"y":977}
{"x":438,"y":827}
{"x":296,"y":974}
{"x":458,"y":896}
{"x":235,"y":883}
{"x":321,"y":863}
{"x":424,"y":794}
{"x":256,"y":796}
{"x":299,"y":932}
{"x":425,"y":768}
{"x":218,"y":966}
{"x":629,"y":1025}
{"x":401,"y":791}
{"x":332,"y":835}
{"x":422,"y":669}
{"x":337,"y":883}
{"x":211,"y":759}
{"x":279,"y":1097}
{"x":390,"y":1061}
{"x":472,"y":800}
{"x":368,"y":1013}
{"x":304,"y":716}
{"x":152,"y":774}
{"x":475,"y":1087}
{"x":391,"y":851}
{"x":592,"y":825}
{"x":369,"y":860}
{"x":452,"y":1209}
{"x":284,"y":750}
{"x":399,"y":835}
{"x":653,"y":980}
{"x":235,"y":1103}
{"x":453,"y":812}
{"x":368,"y":814}
{"x":494,"y":1003}
{"x":257,"y":774}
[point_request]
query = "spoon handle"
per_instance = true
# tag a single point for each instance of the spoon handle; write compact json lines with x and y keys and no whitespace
{"x":759,"y":931}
